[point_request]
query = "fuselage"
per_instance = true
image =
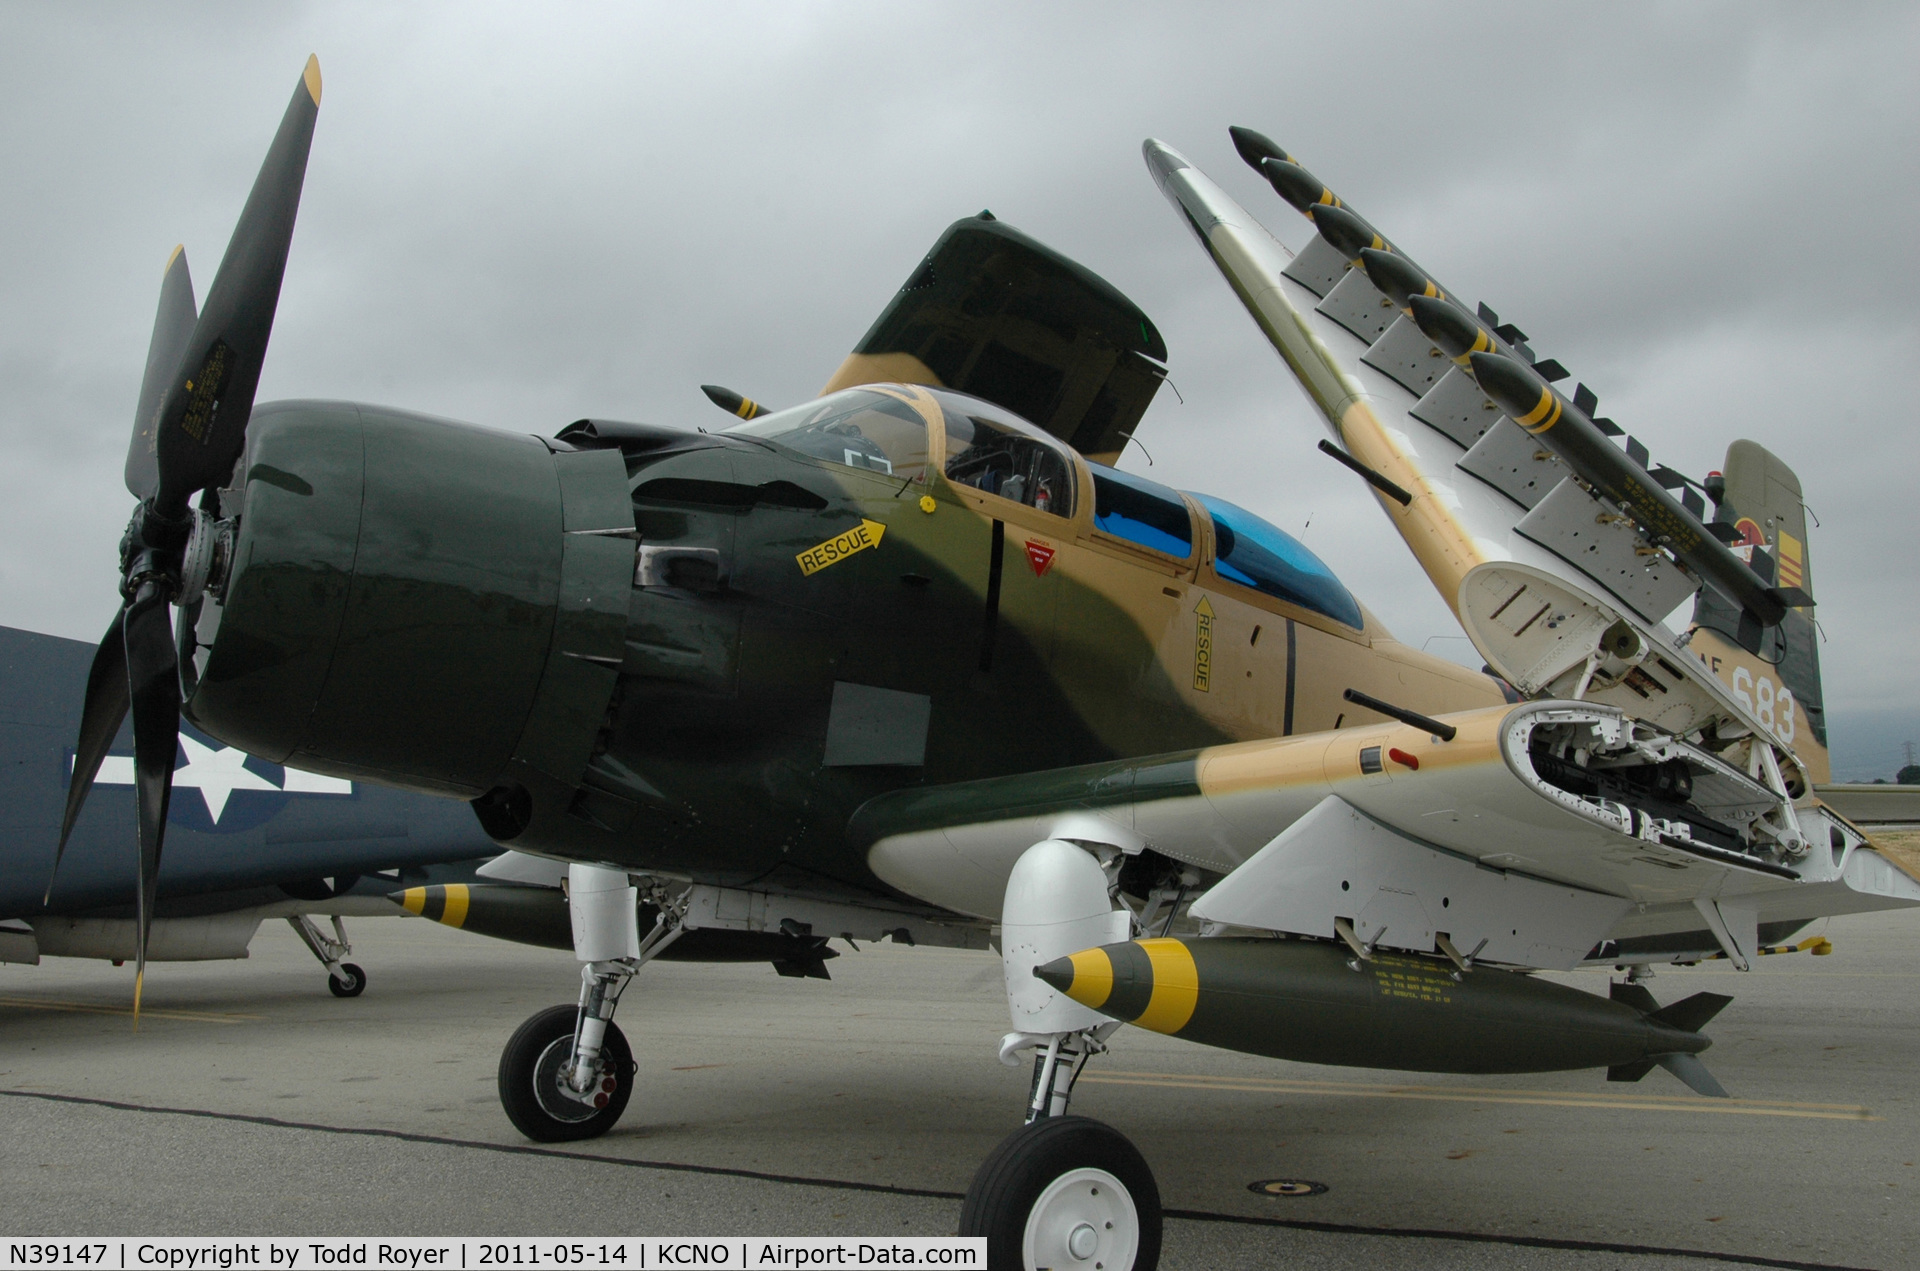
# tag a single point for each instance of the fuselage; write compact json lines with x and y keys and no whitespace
{"x":702,"y":653}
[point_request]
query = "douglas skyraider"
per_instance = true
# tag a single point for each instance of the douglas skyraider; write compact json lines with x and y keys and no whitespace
{"x":913,"y":660}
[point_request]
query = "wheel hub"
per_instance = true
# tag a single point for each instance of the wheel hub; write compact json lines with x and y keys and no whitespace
{"x":557,"y":1098}
{"x":1084,"y":1218}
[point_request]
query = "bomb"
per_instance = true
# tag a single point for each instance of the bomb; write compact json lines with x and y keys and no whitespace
{"x":1316,"y":1002}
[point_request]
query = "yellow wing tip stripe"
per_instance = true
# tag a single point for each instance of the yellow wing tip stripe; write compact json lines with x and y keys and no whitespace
{"x":414,"y":900}
{"x":455,"y":914}
{"x":311,"y":77}
{"x":1176,"y":986}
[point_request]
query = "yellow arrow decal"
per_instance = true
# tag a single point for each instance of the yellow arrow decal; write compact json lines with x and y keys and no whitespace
{"x":840,"y":546}
{"x":1202,"y":646}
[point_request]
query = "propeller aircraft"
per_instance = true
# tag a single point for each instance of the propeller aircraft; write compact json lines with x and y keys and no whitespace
{"x":250,"y":841}
{"x":914,"y":661}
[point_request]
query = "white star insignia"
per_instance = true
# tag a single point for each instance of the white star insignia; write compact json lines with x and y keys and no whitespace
{"x":216,"y":772}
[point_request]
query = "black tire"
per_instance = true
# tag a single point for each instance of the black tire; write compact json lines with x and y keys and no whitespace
{"x":530,"y":1068}
{"x":355,"y":984}
{"x":1015,"y":1204}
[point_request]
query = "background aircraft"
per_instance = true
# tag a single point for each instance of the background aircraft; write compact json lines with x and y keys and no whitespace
{"x":250,"y":840}
{"x":797,"y":679}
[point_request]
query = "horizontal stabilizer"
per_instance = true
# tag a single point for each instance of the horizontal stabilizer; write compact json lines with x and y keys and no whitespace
{"x":1692,"y":1013}
{"x":1690,"y":1070}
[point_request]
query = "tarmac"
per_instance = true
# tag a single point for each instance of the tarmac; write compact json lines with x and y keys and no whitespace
{"x":251,"y":1101}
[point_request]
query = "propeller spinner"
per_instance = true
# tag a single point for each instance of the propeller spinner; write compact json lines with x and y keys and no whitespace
{"x":189,"y":430}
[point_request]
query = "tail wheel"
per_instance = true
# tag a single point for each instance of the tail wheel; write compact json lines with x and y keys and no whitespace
{"x":533,"y":1080}
{"x":1065,"y":1192}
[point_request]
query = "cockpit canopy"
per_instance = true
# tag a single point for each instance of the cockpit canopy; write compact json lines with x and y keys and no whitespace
{"x":989,"y":448}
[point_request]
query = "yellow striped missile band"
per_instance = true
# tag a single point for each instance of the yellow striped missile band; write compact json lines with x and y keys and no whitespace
{"x":1544,"y":415}
{"x":443,"y":902}
{"x":1482,"y":343}
{"x":1151,"y":983}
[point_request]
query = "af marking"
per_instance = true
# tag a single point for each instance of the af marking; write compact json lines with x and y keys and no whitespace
{"x":840,"y":546}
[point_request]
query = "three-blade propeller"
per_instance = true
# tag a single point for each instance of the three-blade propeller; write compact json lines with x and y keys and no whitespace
{"x":189,"y":430}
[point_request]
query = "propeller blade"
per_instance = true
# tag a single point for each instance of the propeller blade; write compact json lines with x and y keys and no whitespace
{"x":153,"y":683}
{"x":100,"y":719}
{"x":172,"y":328}
{"x":202,"y":424}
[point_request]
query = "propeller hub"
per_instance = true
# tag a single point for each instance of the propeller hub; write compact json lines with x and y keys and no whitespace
{"x":207,"y":558}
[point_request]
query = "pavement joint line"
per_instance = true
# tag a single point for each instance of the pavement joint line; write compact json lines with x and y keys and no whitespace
{"x":1482,"y":1094}
{"x":149,"y":1012}
{"x":890,"y":1189}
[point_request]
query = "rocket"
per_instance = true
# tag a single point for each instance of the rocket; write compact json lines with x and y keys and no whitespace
{"x":1523,"y":391}
{"x":1315,"y":1002}
{"x":1570,"y":433}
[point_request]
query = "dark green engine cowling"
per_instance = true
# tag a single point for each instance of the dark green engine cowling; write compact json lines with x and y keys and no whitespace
{"x":416,"y":601}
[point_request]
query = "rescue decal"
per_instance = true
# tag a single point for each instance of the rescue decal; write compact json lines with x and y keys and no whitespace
{"x":1039,"y":555}
{"x":1202,"y":646}
{"x":840,"y":546}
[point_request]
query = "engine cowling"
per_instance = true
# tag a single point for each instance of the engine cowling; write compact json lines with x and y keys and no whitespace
{"x":415,"y":601}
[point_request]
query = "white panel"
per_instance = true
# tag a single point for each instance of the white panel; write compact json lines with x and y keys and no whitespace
{"x":523,"y":867}
{"x":604,"y":908}
{"x":1606,"y":547}
{"x":1337,"y":862}
{"x":1407,"y":357}
{"x":1514,"y":462}
{"x":215,"y":936}
{"x":1318,"y":266}
{"x":1356,"y":304}
{"x":1056,"y":904}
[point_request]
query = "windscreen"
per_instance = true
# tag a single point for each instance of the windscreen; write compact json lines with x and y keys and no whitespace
{"x":993,"y":450}
{"x":858,"y":428}
{"x":1249,"y":551}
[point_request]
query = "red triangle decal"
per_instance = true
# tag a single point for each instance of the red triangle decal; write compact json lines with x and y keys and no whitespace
{"x":1039,"y":555}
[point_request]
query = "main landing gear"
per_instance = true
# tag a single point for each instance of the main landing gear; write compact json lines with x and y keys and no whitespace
{"x":567,"y":1073}
{"x":1062,"y":1191}
{"x":344,"y":979}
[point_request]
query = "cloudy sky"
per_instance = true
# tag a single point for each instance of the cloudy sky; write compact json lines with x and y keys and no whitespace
{"x":523,"y":214}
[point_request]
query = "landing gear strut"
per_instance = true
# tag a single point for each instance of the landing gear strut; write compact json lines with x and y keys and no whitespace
{"x":1062,"y":1191}
{"x":344,"y":979}
{"x":567,"y":1073}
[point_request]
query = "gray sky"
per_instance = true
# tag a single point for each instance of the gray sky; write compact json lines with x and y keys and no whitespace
{"x":523,"y":214}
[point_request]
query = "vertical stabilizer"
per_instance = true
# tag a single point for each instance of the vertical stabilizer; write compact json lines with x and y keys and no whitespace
{"x":1758,"y":500}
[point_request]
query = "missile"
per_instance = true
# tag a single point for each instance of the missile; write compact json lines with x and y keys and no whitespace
{"x":539,"y":916}
{"x":1297,"y":185}
{"x":1348,"y":233}
{"x":1457,"y":334}
{"x":733,"y":403}
{"x":524,"y":915}
{"x":1571,"y":434}
{"x":1396,"y":277}
{"x":1314,"y":1002}
{"x":1254,"y":147}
